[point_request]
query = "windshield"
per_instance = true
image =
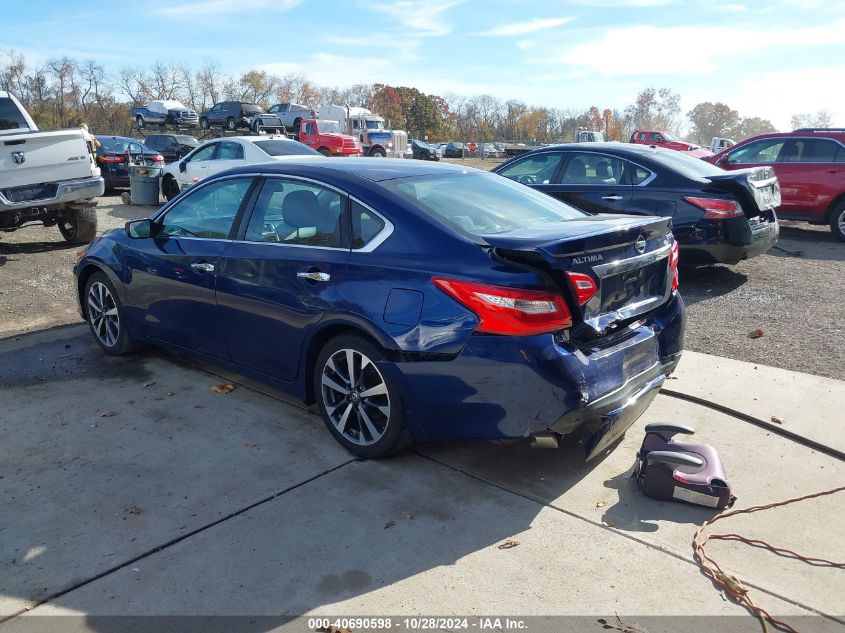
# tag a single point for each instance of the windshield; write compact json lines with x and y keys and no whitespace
{"x":10,"y":117}
{"x":330,"y":127}
{"x":284,"y":148}
{"x":687,"y":165}
{"x":482,"y":204}
{"x":670,"y":137}
{"x":187,"y":140}
{"x":375,"y":124}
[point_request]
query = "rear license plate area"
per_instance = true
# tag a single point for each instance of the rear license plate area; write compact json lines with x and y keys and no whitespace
{"x":634,"y":286}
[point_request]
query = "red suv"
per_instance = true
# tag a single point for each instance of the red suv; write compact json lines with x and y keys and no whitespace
{"x":669,"y":141}
{"x":810,"y":166}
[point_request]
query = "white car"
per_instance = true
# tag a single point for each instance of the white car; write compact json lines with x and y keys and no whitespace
{"x":219,"y":154}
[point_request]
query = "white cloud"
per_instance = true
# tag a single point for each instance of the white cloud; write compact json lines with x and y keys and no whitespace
{"x":423,"y":19}
{"x":219,"y":7}
{"x":521,"y":28}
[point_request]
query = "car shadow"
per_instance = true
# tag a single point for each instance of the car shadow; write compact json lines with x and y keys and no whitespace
{"x":808,"y":242}
{"x":31,"y":248}
{"x":709,"y":282}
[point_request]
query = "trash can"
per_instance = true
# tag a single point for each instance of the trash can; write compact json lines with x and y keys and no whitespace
{"x":144,"y":184}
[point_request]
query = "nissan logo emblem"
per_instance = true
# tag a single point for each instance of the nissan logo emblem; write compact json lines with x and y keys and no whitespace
{"x":640,"y":244}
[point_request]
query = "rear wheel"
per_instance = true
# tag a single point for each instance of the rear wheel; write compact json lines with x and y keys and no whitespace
{"x":140,"y":121}
{"x":256,"y":127}
{"x":104,"y":313}
{"x":169,"y":188}
{"x":230,"y":124}
{"x":78,"y":226}
{"x":837,"y":221}
{"x":360,"y":406}
{"x":204,"y":123}
{"x":324,"y":151}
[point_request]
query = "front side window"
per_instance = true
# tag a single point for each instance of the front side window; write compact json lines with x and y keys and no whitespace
{"x":593,"y":169}
{"x":481,"y":204}
{"x":309,"y":129}
{"x":654,"y":137}
{"x":536,"y":169}
{"x":290,"y":211}
{"x":204,"y":153}
{"x":763,"y":151}
{"x":208,"y":212}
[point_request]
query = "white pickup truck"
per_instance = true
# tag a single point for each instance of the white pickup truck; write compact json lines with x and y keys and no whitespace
{"x":46,"y":177}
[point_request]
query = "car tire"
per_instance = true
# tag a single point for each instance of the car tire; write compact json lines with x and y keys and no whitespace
{"x":324,"y":151}
{"x":368,"y":427}
{"x":256,"y":127}
{"x":296,"y":125}
{"x":204,"y":124}
{"x":378,"y":152}
{"x":169,"y":188}
{"x":837,"y":221}
{"x":105,"y":316}
{"x":230,"y":124}
{"x":78,"y":226}
{"x":140,"y":121}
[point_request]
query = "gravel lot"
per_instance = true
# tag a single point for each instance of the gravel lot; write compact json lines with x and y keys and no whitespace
{"x":798,"y":302}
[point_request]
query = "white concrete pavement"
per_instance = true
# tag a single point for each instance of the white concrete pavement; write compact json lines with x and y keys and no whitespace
{"x":189,"y":502}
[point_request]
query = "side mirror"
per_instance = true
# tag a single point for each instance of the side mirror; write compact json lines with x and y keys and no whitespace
{"x":722,"y":160}
{"x":182,"y":166}
{"x":138,"y":229}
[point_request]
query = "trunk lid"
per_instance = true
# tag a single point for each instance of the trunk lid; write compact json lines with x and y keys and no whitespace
{"x":44,"y":157}
{"x":757,"y":188}
{"x":626,"y":257}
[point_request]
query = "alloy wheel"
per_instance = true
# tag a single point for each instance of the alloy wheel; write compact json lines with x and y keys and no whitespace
{"x":355,"y":396}
{"x":841,"y":221}
{"x":102,"y":314}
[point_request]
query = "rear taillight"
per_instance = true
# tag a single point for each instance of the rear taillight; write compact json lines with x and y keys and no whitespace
{"x":585,"y":287}
{"x":673,"y":264}
{"x":158,"y":158}
{"x":716,"y":208}
{"x":111,"y":159}
{"x":503,"y":310}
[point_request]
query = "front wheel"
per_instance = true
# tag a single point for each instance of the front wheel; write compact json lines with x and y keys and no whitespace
{"x":324,"y":151}
{"x":230,"y":124}
{"x":169,"y":188}
{"x":378,"y":152}
{"x":837,"y":221}
{"x":256,"y":127}
{"x":104,"y":313}
{"x":78,"y":226}
{"x":140,"y":121}
{"x":204,"y":124}
{"x":360,"y":406}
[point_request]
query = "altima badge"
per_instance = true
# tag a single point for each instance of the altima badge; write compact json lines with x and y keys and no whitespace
{"x":19,"y":158}
{"x":640,"y":244}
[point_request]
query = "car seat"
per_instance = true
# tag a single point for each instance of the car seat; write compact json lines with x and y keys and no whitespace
{"x":682,"y":471}
{"x":315,"y":225}
{"x":576,"y":171}
{"x":604,"y":172}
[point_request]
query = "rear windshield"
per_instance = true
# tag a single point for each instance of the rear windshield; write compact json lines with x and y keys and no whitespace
{"x":10,"y":117}
{"x":687,"y":165}
{"x":284,"y":148}
{"x":119,"y":145}
{"x":482,"y":204}
{"x":251,"y":108}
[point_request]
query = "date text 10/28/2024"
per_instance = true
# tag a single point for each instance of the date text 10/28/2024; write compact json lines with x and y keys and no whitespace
{"x":335,"y":625}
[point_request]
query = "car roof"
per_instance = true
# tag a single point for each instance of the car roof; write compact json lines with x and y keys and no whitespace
{"x":375,"y":169}
{"x":633,"y":149}
{"x":249,"y":139}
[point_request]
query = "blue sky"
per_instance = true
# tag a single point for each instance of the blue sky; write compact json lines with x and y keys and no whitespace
{"x":769,"y":58}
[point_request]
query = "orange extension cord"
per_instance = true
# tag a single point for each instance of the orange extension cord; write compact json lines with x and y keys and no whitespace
{"x":731,"y":584}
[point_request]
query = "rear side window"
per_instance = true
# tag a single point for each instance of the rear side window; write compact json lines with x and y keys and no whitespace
{"x":638,"y":174}
{"x":812,"y":150}
{"x":365,"y":225}
{"x":295,"y":212}
{"x":537,"y":169}
{"x":284,"y":148}
{"x":762,"y":151}
{"x":593,"y":169}
{"x":10,"y":116}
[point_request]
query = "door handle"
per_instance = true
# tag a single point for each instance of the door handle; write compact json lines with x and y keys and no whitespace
{"x":614,"y":197}
{"x":203,"y":267}
{"x":313,"y":276}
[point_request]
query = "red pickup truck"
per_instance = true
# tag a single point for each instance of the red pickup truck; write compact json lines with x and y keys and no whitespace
{"x":669,"y":141}
{"x":327,"y":138}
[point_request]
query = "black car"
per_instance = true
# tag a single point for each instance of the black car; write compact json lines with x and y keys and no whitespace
{"x":423,"y":151}
{"x":454,"y":150}
{"x":717,"y":216}
{"x":231,"y":115}
{"x":171,"y":146}
{"x":116,"y":153}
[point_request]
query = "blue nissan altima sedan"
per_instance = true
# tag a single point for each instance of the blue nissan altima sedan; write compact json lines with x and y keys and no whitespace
{"x":408,"y":300}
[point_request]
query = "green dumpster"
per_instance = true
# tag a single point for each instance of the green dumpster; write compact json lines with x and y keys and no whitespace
{"x":144,"y":184}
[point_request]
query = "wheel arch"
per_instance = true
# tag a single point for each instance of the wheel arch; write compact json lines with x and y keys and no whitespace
{"x":89,"y":268}
{"x":828,"y":214}
{"x":331,"y":329}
